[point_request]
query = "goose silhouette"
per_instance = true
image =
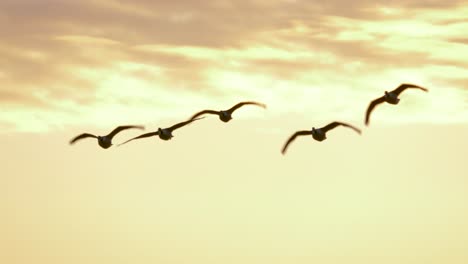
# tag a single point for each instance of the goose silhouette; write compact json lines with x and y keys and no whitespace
{"x":318,"y":134}
{"x":164,"y":133}
{"x":390,"y":97}
{"x":226,"y":115}
{"x":104,"y":141}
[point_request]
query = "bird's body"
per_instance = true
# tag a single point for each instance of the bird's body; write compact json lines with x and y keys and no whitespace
{"x":390,"y":97}
{"x":319,"y":134}
{"x":163,"y":133}
{"x":226,"y":115}
{"x":104,"y":142}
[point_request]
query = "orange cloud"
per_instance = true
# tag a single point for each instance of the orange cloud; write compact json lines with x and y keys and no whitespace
{"x":89,"y":54}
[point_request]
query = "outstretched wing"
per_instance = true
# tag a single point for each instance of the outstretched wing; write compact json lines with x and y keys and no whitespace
{"x":372,"y":106}
{"x":335,"y":124}
{"x":181,"y":124}
{"x":141,"y":136}
{"x":239,"y":105}
{"x":120,"y":128}
{"x":404,"y":86}
{"x":84,"y":135}
{"x":293,"y":137}
{"x":204,"y":112}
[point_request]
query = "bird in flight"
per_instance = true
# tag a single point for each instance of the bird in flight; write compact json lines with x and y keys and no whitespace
{"x":104,"y":141}
{"x":390,"y":97}
{"x":318,"y":134}
{"x":164,"y":133}
{"x":226,"y":115}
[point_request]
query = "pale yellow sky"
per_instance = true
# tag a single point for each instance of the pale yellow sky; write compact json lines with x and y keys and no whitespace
{"x":223,"y":193}
{"x":230,"y":197}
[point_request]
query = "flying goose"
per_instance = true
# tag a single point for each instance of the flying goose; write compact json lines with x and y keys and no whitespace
{"x":226,"y":115}
{"x":164,"y":133}
{"x":318,"y":134}
{"x":104,"y":141}
{"x":390,"y":97}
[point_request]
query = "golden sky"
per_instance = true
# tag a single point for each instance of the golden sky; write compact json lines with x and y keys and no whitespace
{"x":223,"y":193}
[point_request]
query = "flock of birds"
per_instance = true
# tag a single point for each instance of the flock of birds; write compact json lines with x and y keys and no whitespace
{"x":318,"y":134}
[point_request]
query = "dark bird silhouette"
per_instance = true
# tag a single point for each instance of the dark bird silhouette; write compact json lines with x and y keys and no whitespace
{"x":104,"y":141}
{"x":226,"y":115}
{"x":318,"y":134}
{"x":390,"y":97}
{"x":163,"y":133}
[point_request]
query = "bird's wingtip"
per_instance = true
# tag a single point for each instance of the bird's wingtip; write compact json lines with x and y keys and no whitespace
{"x":283,"y":151}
